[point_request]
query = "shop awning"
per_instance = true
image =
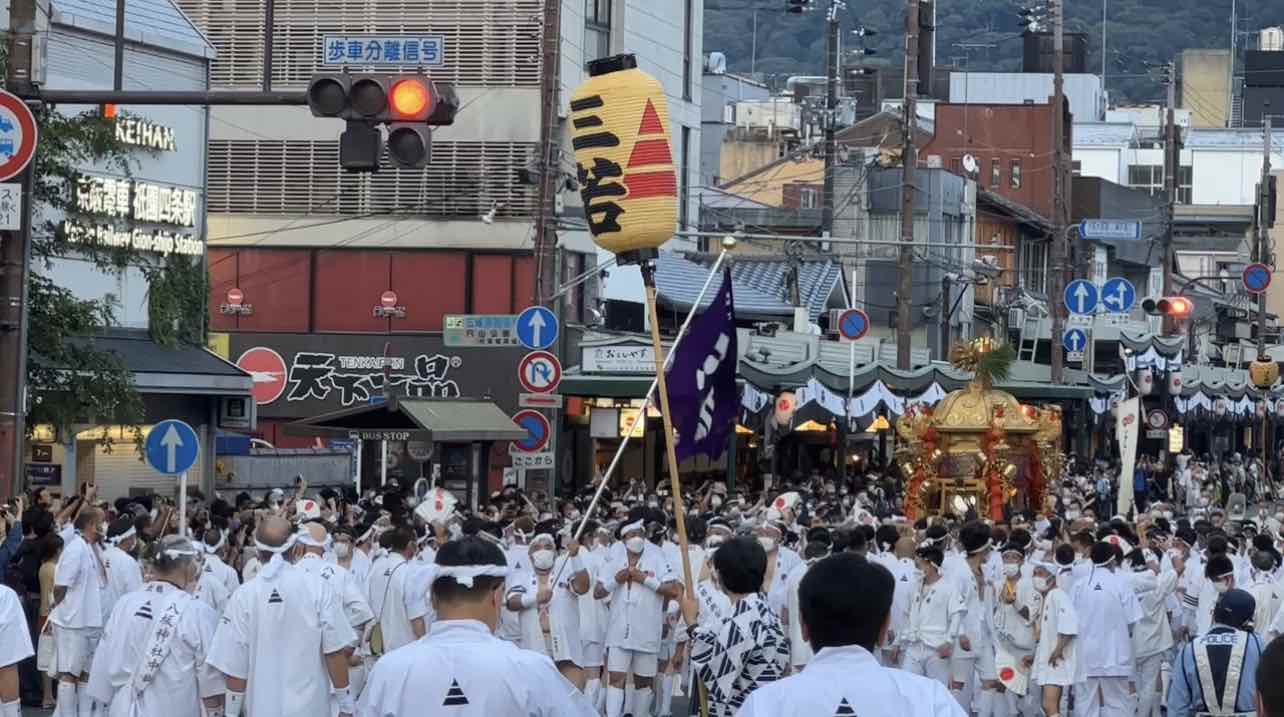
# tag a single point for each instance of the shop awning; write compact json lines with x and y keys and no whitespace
{"x":163,"y":369}
{"x":425,"y":419}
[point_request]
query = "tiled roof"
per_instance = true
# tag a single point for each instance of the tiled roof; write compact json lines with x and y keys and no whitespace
{"x":758,"y":285}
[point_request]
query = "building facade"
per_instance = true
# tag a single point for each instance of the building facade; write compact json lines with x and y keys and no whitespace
{"x":155,"y":207}
{"x":313,"y":250}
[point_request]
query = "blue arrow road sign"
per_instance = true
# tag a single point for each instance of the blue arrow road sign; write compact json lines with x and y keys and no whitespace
{"x":536,"y":327}
{"x":1118,"y":295}
{"x":1081,"y":296}
{"x":172,"y":447}
{"x":1075,"y":340}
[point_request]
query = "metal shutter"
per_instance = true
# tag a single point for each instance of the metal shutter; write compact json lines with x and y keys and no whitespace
{"x":121,"y":469}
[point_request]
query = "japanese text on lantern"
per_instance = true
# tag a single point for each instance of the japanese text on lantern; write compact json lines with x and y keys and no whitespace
{"x":600,"y":181}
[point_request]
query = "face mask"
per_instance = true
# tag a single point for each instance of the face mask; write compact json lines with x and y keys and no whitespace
{"x":1222,"y":586}
{"x":543,"y":559}
{"x":574,"y":515}
{"x":1072,"y":515}
{"x":1042,"y":584}
{"x":716,"y":502}
{"x":342,"y":550}
{"x":635,"y":544}
{"x":768,"y":544}
{"x":1011,"y":570}
{"x":1168,"y":515}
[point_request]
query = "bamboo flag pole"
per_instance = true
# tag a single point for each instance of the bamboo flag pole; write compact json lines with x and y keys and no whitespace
{"x":679,"y":510}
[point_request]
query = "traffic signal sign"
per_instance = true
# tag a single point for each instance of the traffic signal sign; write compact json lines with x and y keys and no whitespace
{"x":407,"y":104}
{"x":1174,"y":307}
{"x":797,"y":6}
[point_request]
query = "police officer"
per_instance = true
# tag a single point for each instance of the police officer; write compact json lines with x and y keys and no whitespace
{"x":1215,"y":675}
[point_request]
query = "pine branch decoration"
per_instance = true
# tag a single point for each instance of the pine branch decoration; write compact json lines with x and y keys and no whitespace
{"x":989,"y":361}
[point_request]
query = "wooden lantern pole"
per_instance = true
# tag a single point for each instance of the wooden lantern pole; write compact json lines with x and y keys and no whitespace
{"x":679,"y":510}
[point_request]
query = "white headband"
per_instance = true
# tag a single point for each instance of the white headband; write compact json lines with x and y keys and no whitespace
{"x":211,"y":549}
{"x":464,"y":574}
{"x":544,"y":536}
{"x":988,"y":544}
{"x":173,"y":553}
{"x":305,"y":538}
{"x":639,"y":525}
{"x":277,"y":562}
{"x":123,"y":536}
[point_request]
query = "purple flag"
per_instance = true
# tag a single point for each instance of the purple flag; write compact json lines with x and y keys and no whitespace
{"x":702,"y":379}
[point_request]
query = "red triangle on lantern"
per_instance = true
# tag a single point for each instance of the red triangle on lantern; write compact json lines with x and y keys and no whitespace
{"x":650,"y":151}
{"x":650,"y":121}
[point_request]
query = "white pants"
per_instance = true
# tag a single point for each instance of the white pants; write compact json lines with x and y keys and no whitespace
{"x":1149,"y":691}
{"x":1104,"y":697}
{"x":920,"y":659}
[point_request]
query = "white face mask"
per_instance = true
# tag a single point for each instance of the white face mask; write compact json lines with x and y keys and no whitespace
{"x":768,"y":544}
{"x":635,"y":544}
{"x":342,"y":550}
{"x":1042,"y":584}
{"x":1011,"y":570}
{"x":1072,"y":515}
{"x":1222,"y":586}
{"x":543,"y":559}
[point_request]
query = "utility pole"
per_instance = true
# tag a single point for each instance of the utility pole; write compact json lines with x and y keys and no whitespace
{"x":1172,"y":164}
{"x":550,"y":155}
{"x":1262,"y":251}
{"x":15,"y":263}
{"x":833,"y":76}
{"x":1060,"y":196}
{"x":909,"y":158}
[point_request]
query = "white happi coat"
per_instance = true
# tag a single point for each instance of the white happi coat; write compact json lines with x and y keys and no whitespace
{"x":1106,"y":607}
{"x":562,"y":610}
{"x":351,"y":595}
{"x":275,"y":634}
{"x":15,"y":641}
{"x":637,"y":611}
{"x":123,"y":577}
{"x":396,"y":598}
{"x":211,"y":591}
{"x":215,"y":566}
{"x":183,"y":677}
{"x":81,"y":571}
{"x":460,"y":669}
{"x":849,"y":681}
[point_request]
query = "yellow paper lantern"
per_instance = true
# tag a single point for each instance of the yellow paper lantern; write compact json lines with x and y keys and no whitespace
{"x":620,"y":132}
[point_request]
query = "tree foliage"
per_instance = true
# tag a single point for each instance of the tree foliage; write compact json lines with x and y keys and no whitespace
{"x":1139,"y":33}
{"x":69,"y":378}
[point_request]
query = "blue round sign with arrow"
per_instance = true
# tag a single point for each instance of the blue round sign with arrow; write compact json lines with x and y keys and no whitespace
{"x":1075,"y":340}
{"x":1118,"y":295}
{"x":536,"y":327}
{"x":172,"y":447}
{"x":1081,"y":296}
{"x":1257,"y":277}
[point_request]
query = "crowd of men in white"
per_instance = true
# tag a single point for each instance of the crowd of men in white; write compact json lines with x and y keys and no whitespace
{"x":317,"y":623}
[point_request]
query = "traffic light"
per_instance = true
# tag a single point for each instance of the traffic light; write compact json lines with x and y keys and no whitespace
{"x":797,"y":6}
{"x":407,"y":104}
{"x":1177,"y":308}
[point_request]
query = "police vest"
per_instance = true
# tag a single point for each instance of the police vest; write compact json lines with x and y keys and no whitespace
{"x":1222,"y":705}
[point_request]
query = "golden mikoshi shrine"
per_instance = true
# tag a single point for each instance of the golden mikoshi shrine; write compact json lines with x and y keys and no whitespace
{"x":979,"y":448}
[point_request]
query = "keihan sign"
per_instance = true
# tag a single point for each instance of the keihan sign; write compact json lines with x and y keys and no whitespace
{"x":149,"y":135}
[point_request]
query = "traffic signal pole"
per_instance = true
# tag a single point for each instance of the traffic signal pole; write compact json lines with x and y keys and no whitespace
{"x":15,"y":264}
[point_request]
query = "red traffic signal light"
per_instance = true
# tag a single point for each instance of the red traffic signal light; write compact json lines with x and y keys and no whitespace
{"x":411,"y":99}
{"x":1174,"y":307}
